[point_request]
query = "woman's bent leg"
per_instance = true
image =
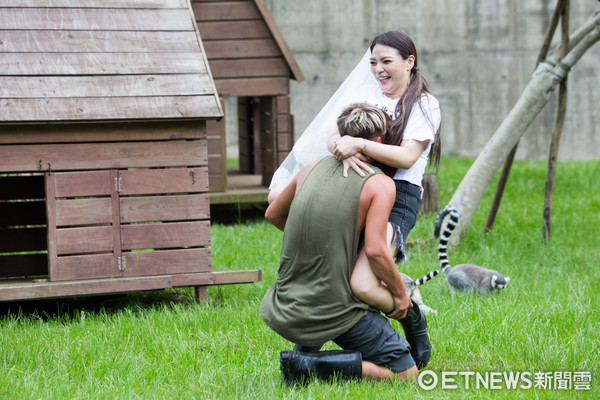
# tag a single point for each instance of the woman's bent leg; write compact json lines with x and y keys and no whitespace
{"x":367,"y":287}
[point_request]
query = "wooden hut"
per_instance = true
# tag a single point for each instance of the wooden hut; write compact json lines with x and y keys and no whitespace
{"x":250,"y":61}
{"x":103,"y":150}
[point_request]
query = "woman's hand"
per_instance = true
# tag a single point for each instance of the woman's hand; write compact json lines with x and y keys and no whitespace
{"x":357,"y":163}
{"x":347,"y":146}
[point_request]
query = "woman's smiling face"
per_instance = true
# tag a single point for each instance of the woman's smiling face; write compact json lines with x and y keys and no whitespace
{"x":391,"y":71}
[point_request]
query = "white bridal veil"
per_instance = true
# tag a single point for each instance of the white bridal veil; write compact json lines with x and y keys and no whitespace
{"x":312,"y":144}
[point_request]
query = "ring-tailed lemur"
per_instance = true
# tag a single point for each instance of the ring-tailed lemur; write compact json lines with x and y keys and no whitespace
{"x":464,"y":277}
{"x":413,"y":290}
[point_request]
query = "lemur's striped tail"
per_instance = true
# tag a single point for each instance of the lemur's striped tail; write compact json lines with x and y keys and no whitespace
{"x":442,"y":255}
{"x":427,"y":277}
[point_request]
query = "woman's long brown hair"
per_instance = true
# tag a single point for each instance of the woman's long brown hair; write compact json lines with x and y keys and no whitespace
{"x":413,"y":94}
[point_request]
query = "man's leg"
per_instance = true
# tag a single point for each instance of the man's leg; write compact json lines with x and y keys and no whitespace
{"x":377,"y":372}
{"x":299,"y":367}
{"x":385,"y":354}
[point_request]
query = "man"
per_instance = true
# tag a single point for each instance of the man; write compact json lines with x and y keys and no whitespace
{"x":323,"y":216}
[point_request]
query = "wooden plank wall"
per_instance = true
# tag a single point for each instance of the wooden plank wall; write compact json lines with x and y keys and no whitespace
{"x":102,"y":60}
{"x":244,"y":57}
{"x":128,"y":223}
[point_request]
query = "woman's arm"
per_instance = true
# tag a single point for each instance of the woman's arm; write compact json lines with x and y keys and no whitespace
{"x":356,"y":162}
{"x":332,"y":140}
{"x":403,"y":156}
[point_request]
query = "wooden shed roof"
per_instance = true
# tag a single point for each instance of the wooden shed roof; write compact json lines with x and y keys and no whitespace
{"x":103,"y":60}
{"x":278,"y":37}
{"x":247,"y":52}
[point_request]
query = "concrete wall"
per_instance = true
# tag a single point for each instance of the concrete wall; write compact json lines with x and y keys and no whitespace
{"x":477,"y":56}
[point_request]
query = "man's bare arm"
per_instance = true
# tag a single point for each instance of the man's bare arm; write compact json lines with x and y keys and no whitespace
{"x":382,"y":192}
{"x":278,"y":210}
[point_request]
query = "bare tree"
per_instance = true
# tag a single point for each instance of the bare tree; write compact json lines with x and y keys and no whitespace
{"x":548,"y":74}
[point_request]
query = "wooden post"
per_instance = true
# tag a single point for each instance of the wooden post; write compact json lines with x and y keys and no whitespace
{"x":200,"y":294}
{"x":430,"y":203}
{"x":560,"y":121}
{"x":500,"y":189}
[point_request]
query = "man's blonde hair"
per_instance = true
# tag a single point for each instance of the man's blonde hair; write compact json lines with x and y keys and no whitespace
{"x":362,"y":120}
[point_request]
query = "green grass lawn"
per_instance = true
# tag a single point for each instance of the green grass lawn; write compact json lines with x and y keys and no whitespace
{"x":545,"y":325}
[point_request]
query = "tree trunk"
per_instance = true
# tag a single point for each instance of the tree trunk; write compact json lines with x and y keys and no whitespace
{"x":533,"y":99}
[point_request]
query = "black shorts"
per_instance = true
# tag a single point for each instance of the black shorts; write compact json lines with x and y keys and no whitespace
{"x":404,"y":214}
{"x":378,"y":342}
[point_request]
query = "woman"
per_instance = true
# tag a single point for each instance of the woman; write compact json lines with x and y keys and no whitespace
{"x":402,"y":92}
{"x":394,"y":83}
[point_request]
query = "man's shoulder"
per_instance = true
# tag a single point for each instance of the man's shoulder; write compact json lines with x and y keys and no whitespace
{"x":381,"y":184}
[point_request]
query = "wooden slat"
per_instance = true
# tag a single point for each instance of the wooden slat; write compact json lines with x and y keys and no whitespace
{"x":237,"y":68}
{"x":98,"y":42}
{"x":12,"y":64}
{"x":50,"y":186}
{"x":278,"y":37}
{"x":217,"y":154}
{"x":90,"y":266}
{"x":269,"y":120}
{"x":168,"y":235}
{"x":48,"y":87}
{"x":194,"y":279}
{"x":83,"y":287}
{"x":217,"y":182}
{"x":21,"y":187}
{"x":84,"y":240}
{"x":95,"y":19}
{"x":105,"y":132}
{"x":244,"y":134}
{"x":22,"y":213}
{"x":215,"y":144}
{"x":251,"y":48}
{"x":217,"y":164}
{"x":116,"y":108}
{"x":283,"y":123}
{"x":283,"y":105}
{"x":226,"y":10}
{"x":96,"y":3}
{"x":157,"y":181}
{"x":86,"y":156}
{"x":236,"y":276}
{"x":79,"y":184}
{"x":83,"y":211}
{"x":30,"y":239}
{"x":116,"y":219}
{"x":256,"y":195}
{"x":164,"y":208}
{"x":284,"y":141}
{"x":142,"y":263}
{"x":257,"y":127}
{"x":252,"y":87}
{"x":23,"y":265}
{"x":218,"y":30}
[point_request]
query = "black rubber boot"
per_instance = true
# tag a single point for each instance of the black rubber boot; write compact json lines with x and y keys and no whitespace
{"x":298,"y":367}
{"x":415,"y":329}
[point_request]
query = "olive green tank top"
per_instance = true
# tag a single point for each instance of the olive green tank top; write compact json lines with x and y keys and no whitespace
{"x":311,"y":301}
